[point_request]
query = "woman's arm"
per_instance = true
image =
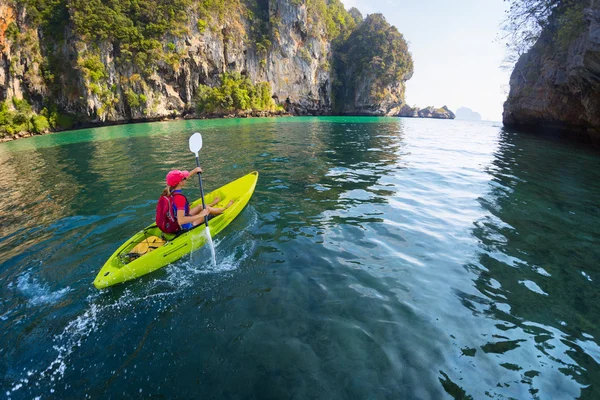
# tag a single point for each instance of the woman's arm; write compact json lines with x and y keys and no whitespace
{"x":195,"y":171}
{"x":183,"y":219}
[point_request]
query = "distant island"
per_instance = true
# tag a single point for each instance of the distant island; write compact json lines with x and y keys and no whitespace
{"x":428,"y":112}
{"x":467,"y":113}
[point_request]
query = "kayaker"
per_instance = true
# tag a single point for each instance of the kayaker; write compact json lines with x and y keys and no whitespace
{"x":188,"y":218}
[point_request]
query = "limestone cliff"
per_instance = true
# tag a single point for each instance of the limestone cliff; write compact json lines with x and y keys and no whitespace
{"x":556,"y":85}
{"x":373,"y":66}
{"x":88,"y":61}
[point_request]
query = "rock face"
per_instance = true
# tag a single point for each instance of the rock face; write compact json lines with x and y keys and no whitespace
{"x":556,"y":86}
{"x":467,"y":114}
{"x":372,"y":67}
{"x":408,"y":112}
{"x":94,"y":80}
{"x":298,"y":75}
{"x":428,"y":112}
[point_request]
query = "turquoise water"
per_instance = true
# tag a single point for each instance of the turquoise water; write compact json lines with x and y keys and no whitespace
{"x":378,"y":258}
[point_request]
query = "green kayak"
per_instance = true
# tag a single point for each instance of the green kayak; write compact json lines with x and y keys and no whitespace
{"x":149,"y":250}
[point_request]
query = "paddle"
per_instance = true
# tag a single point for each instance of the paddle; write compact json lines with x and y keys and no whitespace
{"x":195,"y":146}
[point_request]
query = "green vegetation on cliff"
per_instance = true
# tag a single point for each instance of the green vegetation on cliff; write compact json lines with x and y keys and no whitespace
{"x":570,"y":23}
{"x":17,"y":116}
{"x":118,"y":60}
{"x":20,"y":119}
{"x":527,"y":19}
{"x":236,"y":93}
{"x":136,"y":28}
{"x":50,"y":15}
{"x":376,"y":52}
{"x":331,"y":17}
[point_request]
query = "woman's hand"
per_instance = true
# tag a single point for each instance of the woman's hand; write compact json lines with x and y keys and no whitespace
{"x":199,"y":218}
{"x":196,"y":171}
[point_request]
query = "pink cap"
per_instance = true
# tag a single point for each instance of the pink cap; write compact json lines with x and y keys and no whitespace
{"x":176,"y":176}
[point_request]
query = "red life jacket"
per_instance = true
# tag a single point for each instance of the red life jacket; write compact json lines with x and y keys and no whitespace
{"x":166,"y":219}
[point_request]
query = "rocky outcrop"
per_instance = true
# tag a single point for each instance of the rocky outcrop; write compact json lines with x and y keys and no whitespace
{"x":438,"y":113}
{"x":428,"y":112}
{"x":444,"y":113}
{"x":555,"y":86}
{"x":408,"y":112}
{"x":372,"y":67}
{"x":95,"y":81}
{"x":11,"y":69}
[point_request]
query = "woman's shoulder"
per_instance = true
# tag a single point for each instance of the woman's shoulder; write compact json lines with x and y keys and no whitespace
{"x":179,"y":199}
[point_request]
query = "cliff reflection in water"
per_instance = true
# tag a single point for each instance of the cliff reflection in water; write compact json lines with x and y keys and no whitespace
{"x":537,"y":269}
{"x":43,"y":187}
{"x":316,"y":179}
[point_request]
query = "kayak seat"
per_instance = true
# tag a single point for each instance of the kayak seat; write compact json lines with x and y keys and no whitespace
{"x":149,"y":244}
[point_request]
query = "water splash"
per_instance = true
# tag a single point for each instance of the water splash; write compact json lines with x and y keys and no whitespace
{"x":65,"y":343}
{"x":211,"y":245}
{"x":98,"y":311}
{"x":100,"y":308}
{"x":185,"y":273}
{"x":38,"y":293}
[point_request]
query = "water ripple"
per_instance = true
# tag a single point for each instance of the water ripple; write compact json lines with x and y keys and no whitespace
{"x":379,"y":258}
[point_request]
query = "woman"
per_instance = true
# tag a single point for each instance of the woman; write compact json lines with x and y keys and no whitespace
{"x":188,"y":218}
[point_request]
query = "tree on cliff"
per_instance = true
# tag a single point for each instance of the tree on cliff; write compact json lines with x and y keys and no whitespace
{"x":92,"y":61}
{"x":526,"y":19}
{"x":375,"y":51}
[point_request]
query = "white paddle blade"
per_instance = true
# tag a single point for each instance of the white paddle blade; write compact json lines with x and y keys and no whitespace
{"x":196,"y":143}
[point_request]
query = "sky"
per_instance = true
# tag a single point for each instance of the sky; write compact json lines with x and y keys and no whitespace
{"x":455,"y":50}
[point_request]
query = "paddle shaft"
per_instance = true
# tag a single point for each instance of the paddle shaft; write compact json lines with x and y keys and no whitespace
{"x":201,"y":191}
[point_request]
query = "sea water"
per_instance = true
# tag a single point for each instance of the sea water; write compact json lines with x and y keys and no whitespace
{"x":378,"y":258}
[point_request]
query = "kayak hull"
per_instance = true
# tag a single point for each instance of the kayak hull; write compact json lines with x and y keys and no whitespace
{"x":118,"y":268}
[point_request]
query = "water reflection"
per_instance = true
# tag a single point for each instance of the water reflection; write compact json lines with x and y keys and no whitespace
{"x":537,"y":268}
{"x":316,"y":173}
{"x":378,"y":258}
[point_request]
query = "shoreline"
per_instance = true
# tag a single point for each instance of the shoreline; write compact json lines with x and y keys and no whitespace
{"x":88,"y":125}
{"x":240,"y":114}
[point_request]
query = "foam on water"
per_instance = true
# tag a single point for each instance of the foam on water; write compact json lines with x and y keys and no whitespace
{"x":180,"y":276}
{"x":78,"y":330}
{"x":65,"y":343}
{"x":38,"y":293}
{"x":183,"y":273}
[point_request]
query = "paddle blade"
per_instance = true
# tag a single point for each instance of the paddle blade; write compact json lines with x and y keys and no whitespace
{"x":195,"y":143}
